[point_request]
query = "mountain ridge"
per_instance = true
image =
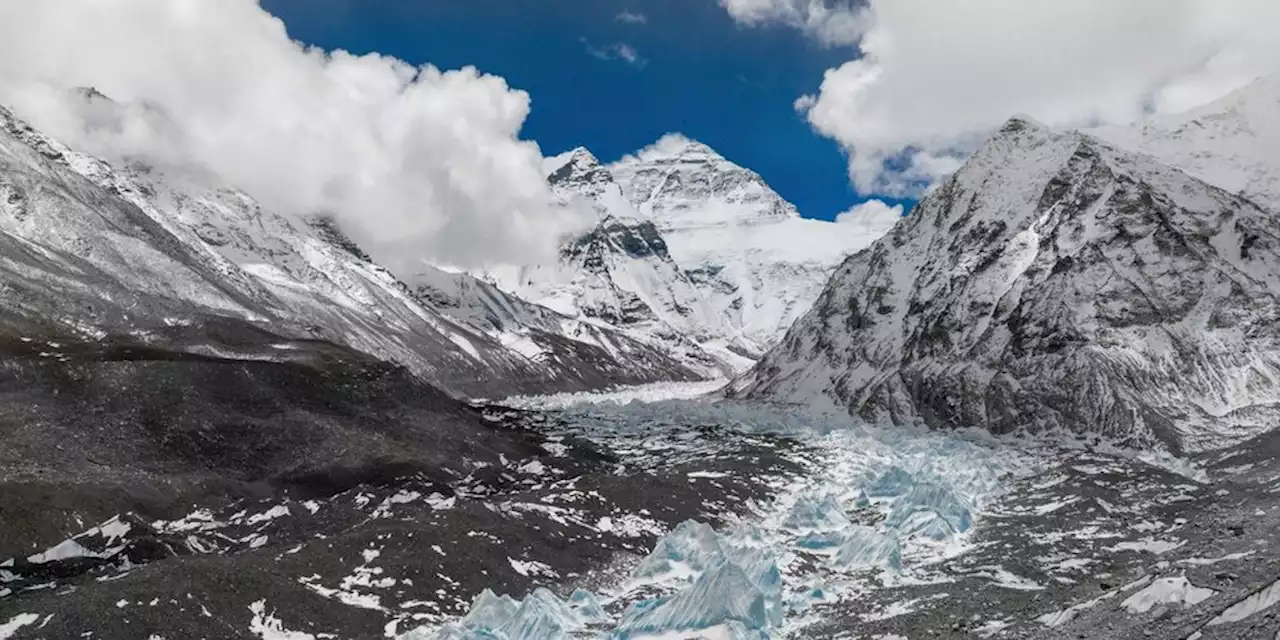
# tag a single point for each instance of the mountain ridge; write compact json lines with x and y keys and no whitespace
{"x":1048,"y":285}
{"x":180,"y":245}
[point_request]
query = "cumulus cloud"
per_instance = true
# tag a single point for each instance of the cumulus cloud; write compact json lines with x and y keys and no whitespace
{"x":631,"y":18}
{"x":833,"y":23}
{"x":616,"y":51}
{"x":872,"y":218}
{"x":934,"y":78}
{"x":414,"y":161}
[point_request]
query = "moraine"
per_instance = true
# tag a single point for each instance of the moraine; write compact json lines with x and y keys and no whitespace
{"x":696,"y":517}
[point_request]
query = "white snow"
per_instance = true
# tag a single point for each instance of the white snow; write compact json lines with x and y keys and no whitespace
{"x":1063,"y":616}
{"x":530,"y":567}
{"x":16,"y":623}
{"x":1200,"y":562}
{"x":655,"y":392}
{"x":266,"y":626}
{"x":1230,"y":142}
{"x":1260,"y":600}
{"x":278,"y":511}
{"x":1171,"y":590}
{"x":1148,"y":544}
{"x":64,"y":550}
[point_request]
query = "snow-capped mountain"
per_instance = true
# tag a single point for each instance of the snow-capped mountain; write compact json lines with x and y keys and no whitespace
{"x":99,"y":249}
{"x":1055,"y":281}
{"x":692,"y":252}
{"x":746,"y":249}
{"x":620,"y":273}
{"x":1233,"y":142}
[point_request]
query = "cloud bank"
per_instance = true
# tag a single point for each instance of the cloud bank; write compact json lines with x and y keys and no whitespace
{"x":934,"y":78}
{"x":414,"y":161}
{"x":831,"y":23}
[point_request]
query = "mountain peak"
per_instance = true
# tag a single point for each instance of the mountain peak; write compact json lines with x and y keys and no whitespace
{"x":680,"y":183}
{"x":1051,"y":260}
{"x":578,"y":170}
{"x":674,"y":147}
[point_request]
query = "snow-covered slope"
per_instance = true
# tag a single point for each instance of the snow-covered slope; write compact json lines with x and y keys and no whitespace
{"x":104,"y":250}
{"x":1233,"y":142}
{"x":749,"y":253}
{"x":693,"y":253}
{"x":620,"y":274}
{"x":1053,"y":282}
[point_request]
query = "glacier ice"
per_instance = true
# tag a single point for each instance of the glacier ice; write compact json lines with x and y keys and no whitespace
{"x":811,"y":514}
{"x":690,"y":547}
{"x":927,"y":524}
{"x":490,"y":611}
{"x":588,"y":606}
{"x":930,"y":497}
{"x":864,"y":547}
{"x":894,"y":482}
{"x":725,"y":594}
{"x":540,"y":616}
{"x":857,"y":518}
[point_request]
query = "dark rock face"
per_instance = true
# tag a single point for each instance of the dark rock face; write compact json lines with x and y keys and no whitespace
{"x":1053,"y":282}
{"x":223,"y":408}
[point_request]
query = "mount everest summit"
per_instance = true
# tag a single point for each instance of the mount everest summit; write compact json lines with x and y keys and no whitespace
{"x":691,"y":252}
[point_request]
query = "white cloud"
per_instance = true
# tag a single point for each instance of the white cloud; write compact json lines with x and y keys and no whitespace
{"x":631,"y":18}
{"x":872,"y":218}
{"x":414,"y":161}
{"x":668,"y":145}
{"x":616,"y":51}
{"x":935,"y":77}
{"x":804,"y":103}
{"x":832,"y":22}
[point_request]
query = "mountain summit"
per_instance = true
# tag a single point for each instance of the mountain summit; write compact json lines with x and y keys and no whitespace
{"x":681,"y":183}
{"x":692,"y":252}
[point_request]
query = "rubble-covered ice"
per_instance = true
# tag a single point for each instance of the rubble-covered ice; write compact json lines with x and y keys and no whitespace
{"x":874,"y":503}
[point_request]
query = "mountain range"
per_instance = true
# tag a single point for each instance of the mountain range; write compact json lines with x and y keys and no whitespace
{"x":243,"y":410}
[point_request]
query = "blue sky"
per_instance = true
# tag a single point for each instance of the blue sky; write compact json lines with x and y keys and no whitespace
{"x":702,"y":75}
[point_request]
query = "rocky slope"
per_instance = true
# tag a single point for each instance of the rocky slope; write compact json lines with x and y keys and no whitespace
{"x":692,"y":252}
{"x":1054,"y":282}
{"x":97,"y":249}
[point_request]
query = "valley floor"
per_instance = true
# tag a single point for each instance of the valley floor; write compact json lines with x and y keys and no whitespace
{"x":657,"y":513}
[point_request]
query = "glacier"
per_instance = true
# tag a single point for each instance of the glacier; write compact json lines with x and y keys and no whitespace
{"x":880,"y":506}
